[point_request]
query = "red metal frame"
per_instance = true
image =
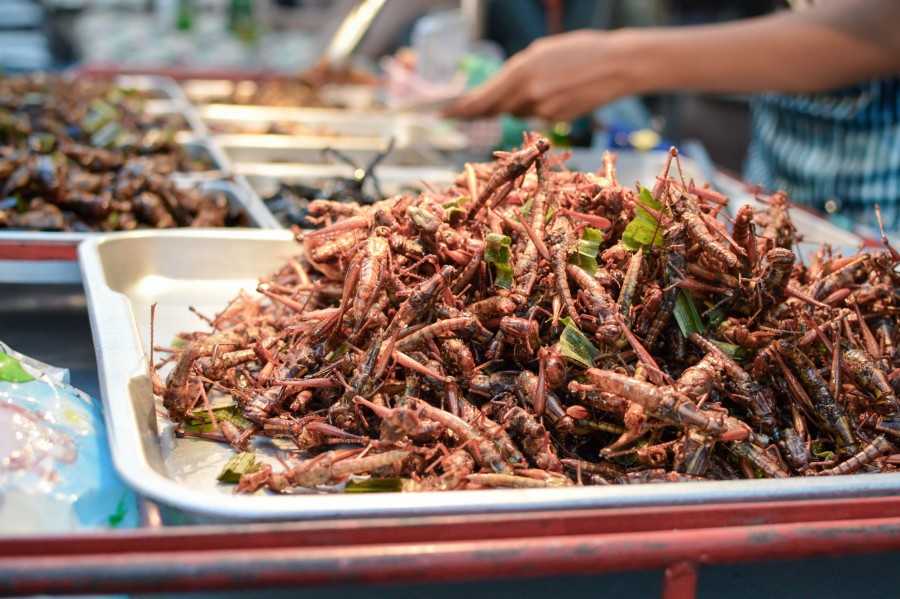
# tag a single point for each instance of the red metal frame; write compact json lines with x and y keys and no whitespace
{"x":40,"y":251}
{"x":675,"y":539}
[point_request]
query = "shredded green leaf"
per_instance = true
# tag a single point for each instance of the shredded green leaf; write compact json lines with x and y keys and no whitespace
{"x":574,"y":345}
{"x":599,"y":425}
{"x":124,"y":140}
{"x":821,"y":452}
{"x":497,"y":252}
{"x":643,"y":228}
{"x":733,"y":351}
{"x":456,"y":203}
{"x":105,"y":136}
{"x":686,"y":314}
{"x":375,"y":485}
{"x":631,"y":458}
{"x":504,"y":276}
{"x":525,"y":210}
{"x":198,"y":420}
{"x":117,"y":94}
{"x":43,"y":143}
{"x":243,"y":463}
{"x":93,"y":121}
{"x":337,"y":352}
{"x":11,"y":370}
{"x":178,"y":342}
{"x":101,"y":114}
{"x":497,"y":248}
{"x":586,"y":251}
{"x":715,"y":317}
{"x":103,"y":108}
{"x":550,"y":212}
{"x":156,"y":137}
{"x":453,"y":208}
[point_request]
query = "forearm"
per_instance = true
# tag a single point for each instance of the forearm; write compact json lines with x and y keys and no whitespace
{"x":830,"y":46}
{"x":563,"y":76}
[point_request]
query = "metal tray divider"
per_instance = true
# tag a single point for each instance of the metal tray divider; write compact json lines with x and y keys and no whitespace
{"x":238,"y":188}
{"x":167,"y":85}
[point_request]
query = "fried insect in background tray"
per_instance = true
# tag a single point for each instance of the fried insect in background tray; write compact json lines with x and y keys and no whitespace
{"x":290,"y":204}
{"x":84,"y":155}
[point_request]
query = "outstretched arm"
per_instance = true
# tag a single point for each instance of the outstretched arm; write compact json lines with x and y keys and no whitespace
{"x":564,"y":76}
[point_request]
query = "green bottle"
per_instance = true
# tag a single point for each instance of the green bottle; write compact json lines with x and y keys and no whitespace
{"x":242,"y":20}
{"x":185,"y":16}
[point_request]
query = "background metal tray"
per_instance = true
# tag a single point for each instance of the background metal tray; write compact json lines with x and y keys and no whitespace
{"x":168,"y":98}
{"x":264,"y":178}
{"x":405,"y":126}
{"x":245,"y":147}
{"x":643,"y":167}
{"x":344,"y":96}
{"x":125,"y":274}
{"x":163,"y":88}
{"x":51,"y":257}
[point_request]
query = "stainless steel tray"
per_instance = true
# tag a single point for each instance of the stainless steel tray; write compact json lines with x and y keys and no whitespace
{"x":325,"y":122}
{"x":169,"y":98}
{"x":213,"y":91}
{"x":51,"y":257}
{"x":125,"y":274}
{"x":643,"y":167}
{"x":165,"y":88}
{"x":242,"y":148}
{"x":264,"y":178}
{"x":406,"y":126}
{"x":203,"y":148}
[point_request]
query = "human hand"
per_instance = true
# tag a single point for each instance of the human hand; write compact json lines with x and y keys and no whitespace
{"x":558,"y":78}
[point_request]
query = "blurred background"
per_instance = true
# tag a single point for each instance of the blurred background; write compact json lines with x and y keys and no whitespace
{"x":288,"y":37}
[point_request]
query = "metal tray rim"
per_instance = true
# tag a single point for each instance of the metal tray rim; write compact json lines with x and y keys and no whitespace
{"x":18,"y":264}
{"x":115,"y":333}
{"x":260,"y":215}
{"x":162,"y":83}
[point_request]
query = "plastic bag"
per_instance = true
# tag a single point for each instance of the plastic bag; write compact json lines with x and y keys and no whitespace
{"x":56,"y":474}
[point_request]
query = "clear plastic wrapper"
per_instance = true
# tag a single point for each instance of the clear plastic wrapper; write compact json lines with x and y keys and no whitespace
{"x":56,"y":475}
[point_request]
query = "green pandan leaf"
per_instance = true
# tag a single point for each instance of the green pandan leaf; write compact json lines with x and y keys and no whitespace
{"x":525,"y":210}
{"x":454,"y":208}
{"x":734,"y":351}
{"x":243,"y":463}
{"x":497,"y":252}
{"x":375,"y":485}
{"x":686,"y":314}
{"x":643,"y":229}
{"x":198,"y":421}
{"x":585,"y":254}
{"x":574,"y":345}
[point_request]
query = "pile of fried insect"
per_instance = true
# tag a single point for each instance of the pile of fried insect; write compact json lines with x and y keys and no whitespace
{"x":532,"y":326}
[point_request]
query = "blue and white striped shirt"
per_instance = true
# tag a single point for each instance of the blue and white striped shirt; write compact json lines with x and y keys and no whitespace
{"x":837,"y":152}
